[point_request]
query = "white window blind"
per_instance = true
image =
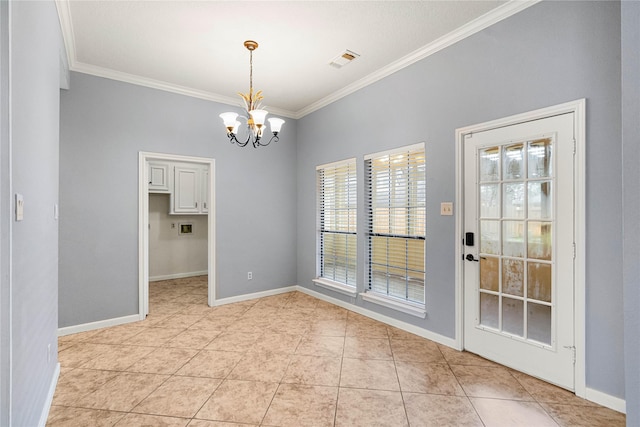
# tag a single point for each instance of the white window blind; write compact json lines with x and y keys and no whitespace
{"x":396,"y":214}
{"x":337,"y":211}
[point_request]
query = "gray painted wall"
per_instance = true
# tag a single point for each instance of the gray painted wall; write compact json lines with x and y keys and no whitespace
{"x":551,"y":53}
{"x":104,"y":124}
{"x":35,"y":36}
{"x":631,"y":211}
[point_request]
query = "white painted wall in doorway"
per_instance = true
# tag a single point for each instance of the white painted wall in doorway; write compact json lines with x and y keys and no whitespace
{"x":172,"y":254}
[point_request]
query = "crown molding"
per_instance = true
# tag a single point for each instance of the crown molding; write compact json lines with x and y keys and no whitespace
{"x":167,"y":87}
{"x":490,"y":18}
{"x":66,"y":27}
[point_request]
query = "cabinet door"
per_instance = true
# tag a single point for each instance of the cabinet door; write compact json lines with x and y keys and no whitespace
{"x":158,"y":177}
{"x":186,"y":195}
{"x":205,"y":190}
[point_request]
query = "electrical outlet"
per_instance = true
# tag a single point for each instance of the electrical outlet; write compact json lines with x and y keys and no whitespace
{"x":249,"y":276}
{"x":446,"y":208}
{"x":48,"y":353}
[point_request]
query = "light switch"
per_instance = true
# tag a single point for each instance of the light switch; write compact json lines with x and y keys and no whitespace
{"x":19,"y":207}
{"x":446,"y":208}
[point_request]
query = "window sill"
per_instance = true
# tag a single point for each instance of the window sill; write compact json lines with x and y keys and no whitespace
{"x":413,"y":309}
{"x":335,"y":286}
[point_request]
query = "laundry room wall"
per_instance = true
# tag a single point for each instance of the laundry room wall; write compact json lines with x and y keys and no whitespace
{"x":173,"y":254}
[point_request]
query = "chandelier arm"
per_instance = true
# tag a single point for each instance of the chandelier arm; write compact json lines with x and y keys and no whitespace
{"x":244,"y":144}
{"x":234,"y":140}
{"x":274,"y":138}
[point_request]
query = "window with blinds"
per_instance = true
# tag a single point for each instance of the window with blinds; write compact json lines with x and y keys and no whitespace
{"x":337,"y":211}
{"x":396,"y":214}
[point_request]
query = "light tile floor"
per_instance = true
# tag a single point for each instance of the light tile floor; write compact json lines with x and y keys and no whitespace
{"x":289,"y":360}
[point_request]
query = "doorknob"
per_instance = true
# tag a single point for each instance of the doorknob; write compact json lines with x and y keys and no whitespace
{"x":470,"y":257}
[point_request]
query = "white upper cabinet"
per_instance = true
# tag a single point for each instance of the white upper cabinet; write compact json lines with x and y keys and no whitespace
{"x":187,"y":183}
{"x":190,"y":189}
{"x":186,"y":195}
{"x":159,"y":177}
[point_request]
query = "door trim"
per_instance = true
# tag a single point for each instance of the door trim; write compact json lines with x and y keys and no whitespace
{"x":143,"y":226}
{"x":577,"y":107}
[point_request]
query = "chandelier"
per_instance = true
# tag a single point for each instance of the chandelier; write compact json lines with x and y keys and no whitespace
{"x":255,"y":115}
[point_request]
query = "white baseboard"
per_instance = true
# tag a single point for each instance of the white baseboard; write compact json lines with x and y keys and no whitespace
{"x":178,"y":276}
{"x":247,"y":297}
{"x":604,"y":399}
{"x":98,"y":325}
{"x":49,"y":401}
{"x":441,"y":339}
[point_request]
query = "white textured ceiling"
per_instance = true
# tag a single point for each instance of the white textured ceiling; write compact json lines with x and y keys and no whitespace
{"x":196,"y":47}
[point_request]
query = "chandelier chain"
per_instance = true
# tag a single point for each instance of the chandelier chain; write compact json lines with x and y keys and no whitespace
{"x":251,"y":78}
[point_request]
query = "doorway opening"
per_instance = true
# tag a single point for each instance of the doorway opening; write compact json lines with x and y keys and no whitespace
{"x":183,"y":188}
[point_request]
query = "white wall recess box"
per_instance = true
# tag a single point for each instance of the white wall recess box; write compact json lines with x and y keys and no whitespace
{"x":186,"y":228}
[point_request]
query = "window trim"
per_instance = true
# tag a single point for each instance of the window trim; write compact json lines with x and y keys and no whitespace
{"x":319,"y":280}
{"x":323,"y":282}
{"x":406,"y":306}
{"x":412,"y":147}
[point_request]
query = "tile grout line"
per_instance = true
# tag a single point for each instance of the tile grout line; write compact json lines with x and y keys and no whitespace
{"x":395,"y":366}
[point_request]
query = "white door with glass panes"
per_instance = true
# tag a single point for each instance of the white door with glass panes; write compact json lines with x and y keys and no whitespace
{"x":519,"y":247}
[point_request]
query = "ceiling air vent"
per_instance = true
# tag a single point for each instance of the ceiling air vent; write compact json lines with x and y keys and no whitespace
{"x":343,"y":59}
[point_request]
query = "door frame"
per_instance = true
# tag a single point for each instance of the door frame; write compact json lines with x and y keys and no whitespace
{"x":578,"y":107}
{"x":143,"y":225}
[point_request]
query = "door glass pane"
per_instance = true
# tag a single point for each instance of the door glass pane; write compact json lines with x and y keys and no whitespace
{"x":539,"y":281}
{"x":513,"y":161}
{"x":540,"y":200}
{"x":490,"y":200}
{"x":490,"y":237}
{"x":539,"y":240}
{"x":513,"y":316}
{"x":513,"y":277}
{"x":540,"y":156}
{"x":539,"y":322}
{"x":490,"y":273}
{"x":489,"y":310}
{"x":513,"y":238}
{"x":490,"y":164}
{"x":513,"y":201}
